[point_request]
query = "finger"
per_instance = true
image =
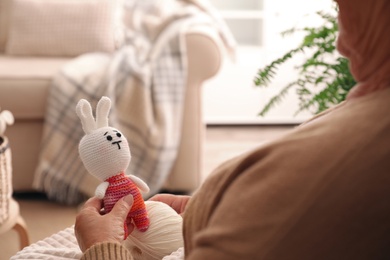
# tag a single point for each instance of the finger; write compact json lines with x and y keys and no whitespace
{"x":130,"y":227}
{"x":168,"y":199}
{"x":122,"y":207}
{"x":93,"y":203}
{"x":180,"y":204}
{"x":176,"y":202}
{"x":157,"y":197}
{"x":164,"y":197}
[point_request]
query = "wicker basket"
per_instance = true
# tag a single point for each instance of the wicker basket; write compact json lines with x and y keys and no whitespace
{"x":5,"y":178}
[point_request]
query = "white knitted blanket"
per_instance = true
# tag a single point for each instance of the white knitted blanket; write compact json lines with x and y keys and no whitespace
{"x":145,"y":80}
{"x":63,"y":245}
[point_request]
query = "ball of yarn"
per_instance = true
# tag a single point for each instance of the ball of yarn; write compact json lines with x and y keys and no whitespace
{"x":163,"y":236}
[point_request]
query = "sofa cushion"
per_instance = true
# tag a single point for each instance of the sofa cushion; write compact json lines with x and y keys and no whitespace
{"x":24,"y":84}
{"x":61,"y":28}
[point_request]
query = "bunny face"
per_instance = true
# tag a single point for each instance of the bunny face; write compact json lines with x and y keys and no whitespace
{"x":105,"y":152}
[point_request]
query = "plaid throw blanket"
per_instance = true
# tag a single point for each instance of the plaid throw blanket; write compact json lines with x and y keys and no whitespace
{"x":145,"y":79}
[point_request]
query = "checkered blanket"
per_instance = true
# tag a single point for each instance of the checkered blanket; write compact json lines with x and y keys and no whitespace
{"x":145,"y":80}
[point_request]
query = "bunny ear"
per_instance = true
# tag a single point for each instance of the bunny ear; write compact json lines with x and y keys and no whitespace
{"x":2,"y":127}
{"x":84,"y":111}
{"x":7,"y":117}
{"x":102,"y":110}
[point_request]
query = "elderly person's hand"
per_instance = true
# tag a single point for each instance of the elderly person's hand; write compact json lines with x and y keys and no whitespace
{"x":177,"y":202}
{"x":92,"y":227}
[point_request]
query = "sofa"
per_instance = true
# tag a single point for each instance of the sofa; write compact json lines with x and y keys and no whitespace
{"x":24,"y":85}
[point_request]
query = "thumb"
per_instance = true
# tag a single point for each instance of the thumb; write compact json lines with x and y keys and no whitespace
{"x":123,"y":206}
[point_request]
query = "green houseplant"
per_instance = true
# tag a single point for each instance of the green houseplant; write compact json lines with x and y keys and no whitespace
{"x":323,"y":78}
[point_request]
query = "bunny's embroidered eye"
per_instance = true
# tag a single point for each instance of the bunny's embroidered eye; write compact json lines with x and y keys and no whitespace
{"x":118,"y":134}
{"x":108,"y":137}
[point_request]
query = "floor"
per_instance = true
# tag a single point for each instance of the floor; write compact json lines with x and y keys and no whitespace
{"x":223,"y":142}
{"x":44,"y":218}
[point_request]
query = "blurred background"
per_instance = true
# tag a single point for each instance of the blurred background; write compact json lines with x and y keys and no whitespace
{"x":257,"y":26}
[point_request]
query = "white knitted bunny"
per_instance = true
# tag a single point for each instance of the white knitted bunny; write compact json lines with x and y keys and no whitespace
{"x":106,"y":155}
{"x":6,"y":118}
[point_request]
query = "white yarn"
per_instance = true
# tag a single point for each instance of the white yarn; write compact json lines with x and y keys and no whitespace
{"x":163,"y":237}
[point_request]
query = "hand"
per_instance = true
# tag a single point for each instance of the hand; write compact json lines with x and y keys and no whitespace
{"x":177,"y":202}
{"x":92,"y":227}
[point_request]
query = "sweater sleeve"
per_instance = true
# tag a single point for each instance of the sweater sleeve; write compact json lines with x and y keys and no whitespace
{"x":106,"y":251}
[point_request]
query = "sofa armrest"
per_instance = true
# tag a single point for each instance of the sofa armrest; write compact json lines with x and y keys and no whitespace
{"x":204,"y":61}
{"x":204,"y":55}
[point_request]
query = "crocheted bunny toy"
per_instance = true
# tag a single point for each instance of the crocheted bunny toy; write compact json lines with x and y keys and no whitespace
{"x":105,"y":154}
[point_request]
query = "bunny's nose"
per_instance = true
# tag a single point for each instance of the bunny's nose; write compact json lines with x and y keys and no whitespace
{"x":117,"y":143}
